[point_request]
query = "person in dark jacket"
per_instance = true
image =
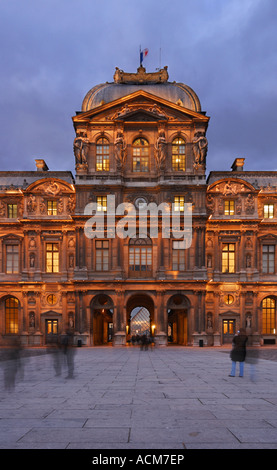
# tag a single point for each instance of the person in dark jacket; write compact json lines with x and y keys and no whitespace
{"x":238,"y":352}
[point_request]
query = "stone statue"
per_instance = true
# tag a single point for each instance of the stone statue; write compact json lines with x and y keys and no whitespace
{"x":80,"y":147}
{"x":120,"y":150}
{"x":160,"y":150}
{"x":200,"y":148}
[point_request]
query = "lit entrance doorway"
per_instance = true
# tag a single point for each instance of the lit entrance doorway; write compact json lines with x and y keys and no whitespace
{"x":51,"y":331}
{"x":101,"y":324}
{"x":177,"y":326}
{"x":229,"y":328}
{"x":140,"y":317}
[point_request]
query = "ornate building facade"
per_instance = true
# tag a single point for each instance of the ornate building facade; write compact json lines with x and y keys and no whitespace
{"x":140,"y":140}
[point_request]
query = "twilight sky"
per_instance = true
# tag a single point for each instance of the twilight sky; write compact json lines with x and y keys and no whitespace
{"x":53,"y":51}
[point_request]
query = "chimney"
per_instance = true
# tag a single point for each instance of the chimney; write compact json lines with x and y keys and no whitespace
{"x":41,"y":165}
{"x":238,"y":164}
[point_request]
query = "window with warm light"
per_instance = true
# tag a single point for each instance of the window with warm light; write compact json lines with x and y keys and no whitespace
{"x":52,"y":208}
{"x":12,"y":259}
{"x":228,"y":258}
{"x":12,"y":211}
{"x":268,"y":259}
{"x":178,"y":154}
{"x":52,"y":257}
{"x":268,"y":211}
{"x":179,"y":203}
{"x":268,"y":315}
{"x":11,"y":315}
{"x":178,"y":255}
{"x":101,"y":203}
{"x":229,"y":207}
{"x":140,"y":257}
{"x":140,"y":155}
{"x":101,"y":255}
{"x":102,"y":154}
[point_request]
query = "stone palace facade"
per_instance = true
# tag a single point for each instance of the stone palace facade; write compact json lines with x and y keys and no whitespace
{"x":139,"y":140}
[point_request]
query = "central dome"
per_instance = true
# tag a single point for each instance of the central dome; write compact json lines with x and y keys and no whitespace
{"x":154,"y":83}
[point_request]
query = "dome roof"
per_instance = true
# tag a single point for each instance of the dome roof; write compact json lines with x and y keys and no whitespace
{"x":154,"y":83}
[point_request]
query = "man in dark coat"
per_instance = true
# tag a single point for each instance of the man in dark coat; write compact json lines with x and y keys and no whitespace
{"x":238,"y":352}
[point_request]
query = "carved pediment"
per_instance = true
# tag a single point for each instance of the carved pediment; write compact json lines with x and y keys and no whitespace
{"x":231,"y":187}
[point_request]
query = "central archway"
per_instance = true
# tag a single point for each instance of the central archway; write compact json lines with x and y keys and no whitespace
{"x":140,"y":316}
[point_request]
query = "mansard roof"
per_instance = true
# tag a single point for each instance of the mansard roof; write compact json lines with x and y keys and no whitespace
{"x":155,"y":83}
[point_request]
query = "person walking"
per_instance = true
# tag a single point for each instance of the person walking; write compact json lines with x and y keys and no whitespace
{"x":238,"y":352}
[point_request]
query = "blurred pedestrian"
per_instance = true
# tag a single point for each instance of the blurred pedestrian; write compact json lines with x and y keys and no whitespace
{"x":252,"y":359}
{"x":238,"y":352}
{"x":14,"y":366}
{"x":69,"y":351}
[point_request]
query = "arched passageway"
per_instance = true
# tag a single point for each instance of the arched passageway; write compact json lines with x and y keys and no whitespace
{"x":178,"y":309}
{"x":101,"y":322}
{"x":140,"y":316}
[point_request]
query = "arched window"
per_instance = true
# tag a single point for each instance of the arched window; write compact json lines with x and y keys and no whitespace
{"x":269,"y":314}
{"x":140,"y":155}
{"x":102,"y":154}
{"x":178,"y":154}
{"x":140,"y":257}
{"x":11,"y":315}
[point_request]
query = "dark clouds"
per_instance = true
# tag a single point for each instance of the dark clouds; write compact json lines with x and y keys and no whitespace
{"x":52,"y":52}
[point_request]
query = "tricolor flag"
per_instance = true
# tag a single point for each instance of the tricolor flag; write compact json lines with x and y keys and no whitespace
{"x":143,"y":54}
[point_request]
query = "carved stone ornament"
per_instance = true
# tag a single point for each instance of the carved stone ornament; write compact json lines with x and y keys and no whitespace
{"x":120,"y":150}
{"x":141,"y":76}
{"x":160,"y":150}
{"x":52,"y":188}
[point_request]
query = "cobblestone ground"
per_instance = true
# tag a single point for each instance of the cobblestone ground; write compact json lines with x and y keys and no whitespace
{"x":125,"y":398}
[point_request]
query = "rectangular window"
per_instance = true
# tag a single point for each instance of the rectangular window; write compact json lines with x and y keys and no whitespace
{"x":229,"y":207}
{"x":268,"y":259}
{"x":12,"y":211}
{"x":52,"y":208}
{"x":268,"y":315}
{"x":268,"y":211}
{"x":11,"y":314}
{"x":102,"y":255}
{"x":228,"y":258}
{"x":179,"y":203}
{"x":178,"y":256}
{"x":102,"y":203}
{"x":140,"y":163}
{"x":52,"y":257}
{"x":12,"y":259}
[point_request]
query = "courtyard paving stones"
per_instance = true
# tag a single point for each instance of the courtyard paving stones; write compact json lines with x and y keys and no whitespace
{"x":125,"y":398}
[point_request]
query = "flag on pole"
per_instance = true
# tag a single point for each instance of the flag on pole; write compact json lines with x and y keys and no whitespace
{"x":142,"y":55}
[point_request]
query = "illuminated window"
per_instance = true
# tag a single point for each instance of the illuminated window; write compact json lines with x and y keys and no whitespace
{"x":52,"y":299}
{"x":268,"y":312}
{"x":102,"y":255}
{"x":140,"y":257}
{"x":11,"y":315}
{"x":140,"y":155}
{"x":228,"y":299}
{"x":268,"y":211}
{"x":52,"y":208}
{"x":179,"y":203}
{"x":12,"y":259}
{"x":102,"y":154}
{"x":102,"y":203}
{"x":52,"y":257}
{"x":268,"y":258}
{"x":178,"y":155}
{"x":228,"y":258}
{"x":229,"y":207}
{"x":178,"y":255}
{"x":12,"y":211}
